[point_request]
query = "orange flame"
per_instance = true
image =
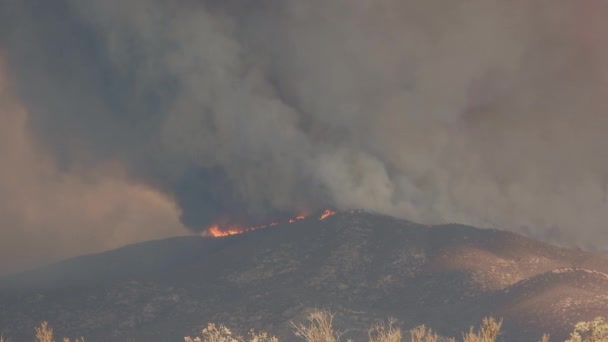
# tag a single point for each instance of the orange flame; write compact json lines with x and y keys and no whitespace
{"x":297,"y":218}
{"x":217,"y":231}
{"x":327,"y":213}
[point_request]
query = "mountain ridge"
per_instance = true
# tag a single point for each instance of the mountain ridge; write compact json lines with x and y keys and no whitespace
{"x":360,"y":265}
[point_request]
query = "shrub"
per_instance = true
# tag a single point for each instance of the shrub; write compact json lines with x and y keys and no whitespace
{"x":319,"y":328}
{"x":385,"y":332}
{"x":213,"y":333}
{"x":261,"y":337}
{"x":44,"y":333}
{"x":221,"y":333}
{"x":594,"y":331}
{"x":423,"y":334}
{"x":488,"y":331}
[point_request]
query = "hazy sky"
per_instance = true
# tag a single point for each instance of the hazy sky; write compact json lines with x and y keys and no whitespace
{"x":126,"y":120}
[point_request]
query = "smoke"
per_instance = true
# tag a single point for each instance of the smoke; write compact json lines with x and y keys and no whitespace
{"x":48,"y":213}
{"x":490,"y":113}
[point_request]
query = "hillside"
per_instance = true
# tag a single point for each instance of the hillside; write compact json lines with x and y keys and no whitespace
{"x":360,"y":265}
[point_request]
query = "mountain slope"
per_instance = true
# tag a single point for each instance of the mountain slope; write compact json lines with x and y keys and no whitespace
{"x":360,"y":265}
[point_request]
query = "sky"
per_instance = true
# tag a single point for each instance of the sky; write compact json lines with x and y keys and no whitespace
{"x":130,"y":120}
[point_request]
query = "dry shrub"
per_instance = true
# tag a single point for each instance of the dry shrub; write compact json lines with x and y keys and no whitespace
{"x":423,"y":334}
{"x":488,"y":332}
{"x":220,"y":333}
{"x":319,"y":328}
{"x":385,"y":332}
{"x":594,"y":331}
{"x":213,"y":333}
{"x":81,"y":339}
{"x":261,"y":337}
{"x":44,"y":333}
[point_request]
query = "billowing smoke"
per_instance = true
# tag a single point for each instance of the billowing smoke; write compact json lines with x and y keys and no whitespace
{"x":49,"y":211}
{"x":492,"y":113}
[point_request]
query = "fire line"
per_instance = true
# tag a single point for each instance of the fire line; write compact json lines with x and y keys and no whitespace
{"x":217,"y":231}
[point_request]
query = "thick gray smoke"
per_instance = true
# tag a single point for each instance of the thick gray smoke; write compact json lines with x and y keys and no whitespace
{"x":492,"y":113}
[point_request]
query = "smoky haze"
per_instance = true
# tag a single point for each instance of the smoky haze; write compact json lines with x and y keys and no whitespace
{"x":490,"y":113}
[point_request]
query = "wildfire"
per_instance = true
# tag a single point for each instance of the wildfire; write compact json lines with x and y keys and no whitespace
{"x":297,"y":218}
{"x":327,"y":213}
{"x":218,"y":231}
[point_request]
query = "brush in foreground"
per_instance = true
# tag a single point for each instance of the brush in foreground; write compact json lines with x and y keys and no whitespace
{"x":319,"y":328}
{"x":221,"y":333}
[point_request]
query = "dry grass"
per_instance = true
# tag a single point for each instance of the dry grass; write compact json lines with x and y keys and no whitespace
{"x":545,"y":338}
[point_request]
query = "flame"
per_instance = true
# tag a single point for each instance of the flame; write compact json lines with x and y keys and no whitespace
{"x":327,"y":213}
{"x":297,"y":218}
{"x":217,"y":231}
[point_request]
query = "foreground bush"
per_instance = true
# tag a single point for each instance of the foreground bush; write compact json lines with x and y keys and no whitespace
{"x":488,"y":331}
{"x":381,"y":332}
{"x":319,"y":328}
{"x":423,"y":334}
{"x":594,"y":331}
{"x":221,"y":333}
{"x":44,"y":333}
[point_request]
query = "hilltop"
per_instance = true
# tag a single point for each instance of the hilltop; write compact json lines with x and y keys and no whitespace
{"x":361,"y":266}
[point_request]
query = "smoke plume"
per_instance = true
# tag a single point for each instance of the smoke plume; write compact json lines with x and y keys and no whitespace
{"x":49,"y":212}
{"x":491,"y":113}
